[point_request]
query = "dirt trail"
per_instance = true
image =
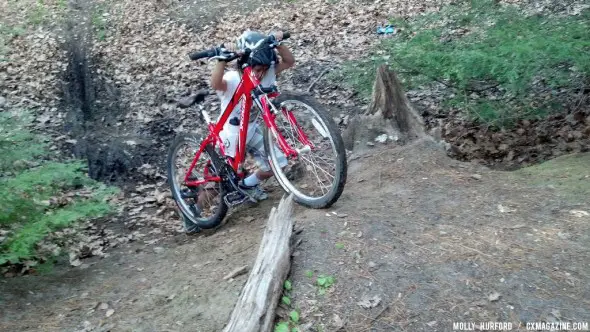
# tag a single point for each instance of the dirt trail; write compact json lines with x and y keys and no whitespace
{"x":171,"y":285}
{"x":419,"y":241}
{"x":422,"y":239}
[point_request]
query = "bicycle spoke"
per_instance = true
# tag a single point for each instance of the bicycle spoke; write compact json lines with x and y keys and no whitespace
{"x":319,"y":180}
{"x":315,"y":165}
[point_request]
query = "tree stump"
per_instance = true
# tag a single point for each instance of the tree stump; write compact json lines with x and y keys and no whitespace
{"x":389,"y":113}
{"x":255,"y":309}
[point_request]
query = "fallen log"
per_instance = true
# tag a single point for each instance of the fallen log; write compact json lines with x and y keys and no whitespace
{"x":255,"y":308}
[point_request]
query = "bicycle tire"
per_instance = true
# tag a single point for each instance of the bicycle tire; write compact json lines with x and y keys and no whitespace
{"x":341,"y":163}
{"x":205,"y":223}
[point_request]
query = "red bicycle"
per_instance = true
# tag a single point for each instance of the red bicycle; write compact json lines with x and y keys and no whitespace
{"x":204,"y":181}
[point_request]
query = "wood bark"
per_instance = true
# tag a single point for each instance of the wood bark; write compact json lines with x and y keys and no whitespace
{"x":390,"y":113}
{"x":255,"y":309}
{"x":390,"y":101}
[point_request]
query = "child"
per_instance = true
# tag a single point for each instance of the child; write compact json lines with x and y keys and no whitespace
{"x":265,"y":66}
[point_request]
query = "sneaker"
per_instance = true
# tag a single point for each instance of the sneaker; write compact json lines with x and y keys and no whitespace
{"x":255,"y":191}
{"x":189,"y":227}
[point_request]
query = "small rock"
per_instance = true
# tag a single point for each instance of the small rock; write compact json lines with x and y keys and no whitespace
{"x":343,"y":215}
{"x":372,"y":264}
{"x":110,"y":312}
{"x":306,"y":327}
{"x":432,"y":323}
{"x":495,"y":296}
{"x":338,"y":323}
{"x":480,"y":303}
{"x":370,"y":144}
{"x":2,"y":102}
{"x":504,"y":209}
{"x":103,"y":306}
{"x":158,"y":250}
{"x":579,"y":213}
{"x":381,"y":138}
{"x":476,"y":176}
{"x":360,"y":234}
{"x":369,"y":303}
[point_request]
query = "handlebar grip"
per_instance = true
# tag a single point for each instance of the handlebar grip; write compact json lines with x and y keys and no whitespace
{"x":202,"y":54}
{"x":286,"y":35}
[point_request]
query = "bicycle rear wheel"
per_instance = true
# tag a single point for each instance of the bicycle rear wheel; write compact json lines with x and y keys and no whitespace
{"x":202,"y":206}
{"x":317,"y":176}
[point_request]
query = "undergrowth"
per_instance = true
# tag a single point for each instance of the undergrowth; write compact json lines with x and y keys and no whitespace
{"x":38,"y":196}
{"x":499,"y":65}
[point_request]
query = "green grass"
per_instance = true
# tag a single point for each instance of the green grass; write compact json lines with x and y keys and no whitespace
{"x":28,"y":184}
{"x":99,"y":22}
{"x":524,"y":59}
{"x":569,"y":175}
{"x":38,"y":14}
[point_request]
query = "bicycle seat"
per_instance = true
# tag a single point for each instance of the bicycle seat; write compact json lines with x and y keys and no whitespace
{"x":189,"y":101}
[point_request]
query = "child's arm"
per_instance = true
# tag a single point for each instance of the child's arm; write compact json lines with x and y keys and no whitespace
{"x":217,"y":81}
{"x":287,"y":59}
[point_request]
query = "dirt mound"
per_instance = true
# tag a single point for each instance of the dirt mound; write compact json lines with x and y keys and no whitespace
{"x":419,"y":241}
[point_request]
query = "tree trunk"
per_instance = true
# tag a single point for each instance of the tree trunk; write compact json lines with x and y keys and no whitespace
{"x":255,"y":309}
{"x":389,"y":113}
{"x":389,"y":100}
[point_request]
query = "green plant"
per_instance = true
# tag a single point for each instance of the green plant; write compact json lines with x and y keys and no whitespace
{"x":282,"y":327}
{"x":286,"y":300}
{"x":287,"y":285}
{"x":309,"y":273}
{"x":324,"y":283}
{"x":499,"y":64}
{"x":38,"y":15}
{"x":38,"y":197}
{"x":293,"y":324}
{"x":99,"y":23}
{"x":339,"y":245}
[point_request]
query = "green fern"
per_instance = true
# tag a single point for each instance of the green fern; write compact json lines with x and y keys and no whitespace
{"x":25,"y":211}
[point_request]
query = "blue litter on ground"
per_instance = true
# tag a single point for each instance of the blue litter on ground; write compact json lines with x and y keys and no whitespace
{"x":386,"y":30}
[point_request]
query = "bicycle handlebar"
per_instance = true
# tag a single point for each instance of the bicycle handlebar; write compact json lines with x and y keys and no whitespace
{"x":229,"y":56}
{"x":203,"y":54}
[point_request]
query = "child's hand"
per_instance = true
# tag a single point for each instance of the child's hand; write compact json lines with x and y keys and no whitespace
{"x":278,"y":35}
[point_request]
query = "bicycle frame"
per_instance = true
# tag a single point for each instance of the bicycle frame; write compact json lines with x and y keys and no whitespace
{"x":245,"y":90}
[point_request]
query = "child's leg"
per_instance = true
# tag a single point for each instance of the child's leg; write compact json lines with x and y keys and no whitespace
{"x":256,"y":149}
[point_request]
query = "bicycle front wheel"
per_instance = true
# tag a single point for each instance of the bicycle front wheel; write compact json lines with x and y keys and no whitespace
{"x":317,"y":176}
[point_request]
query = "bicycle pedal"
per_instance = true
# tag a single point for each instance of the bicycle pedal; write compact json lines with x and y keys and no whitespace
{"x":234,"y":198}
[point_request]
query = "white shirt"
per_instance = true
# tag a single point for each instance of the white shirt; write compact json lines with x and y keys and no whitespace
{"x":232,"y":80}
